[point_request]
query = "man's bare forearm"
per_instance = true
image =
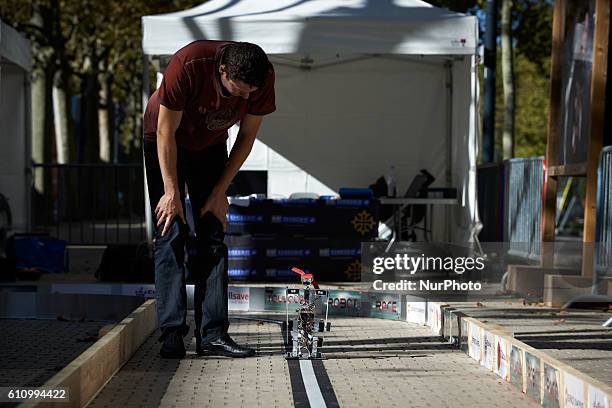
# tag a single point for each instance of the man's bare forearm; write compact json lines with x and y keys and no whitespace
{"x":166,"y":152}
{"x":240,"y":152}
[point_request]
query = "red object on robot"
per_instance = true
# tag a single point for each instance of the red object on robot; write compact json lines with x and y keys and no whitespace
{"x":307,"y":278}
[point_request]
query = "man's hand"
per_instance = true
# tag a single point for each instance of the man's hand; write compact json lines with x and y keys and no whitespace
{"x":216,"y":204}
{"x":168,"y":207}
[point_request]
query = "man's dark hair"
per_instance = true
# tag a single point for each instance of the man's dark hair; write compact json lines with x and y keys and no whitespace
{"x":246,"y":62}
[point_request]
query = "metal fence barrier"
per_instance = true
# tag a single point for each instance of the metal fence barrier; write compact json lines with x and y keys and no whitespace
{"x":90,"y":204}
{"x":603,"y":258}
{"x":510,"y":204}
{"x":524,"y":180}
{"x":490,"y":187}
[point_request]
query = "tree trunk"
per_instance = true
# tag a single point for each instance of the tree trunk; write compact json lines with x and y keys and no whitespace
{"x":42,"y":122}
{"x":104,"y":121}
{"x":42,"y":133}
{"x":89,"y":139}
{"x":106,"y":117}
{"x":39,"y":122}
{"x":60,"y":119}
{"x":508,"y":79}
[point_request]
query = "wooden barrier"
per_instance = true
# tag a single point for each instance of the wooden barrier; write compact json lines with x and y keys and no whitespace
{"x":534,"y":372}
{"x":86,"y":375}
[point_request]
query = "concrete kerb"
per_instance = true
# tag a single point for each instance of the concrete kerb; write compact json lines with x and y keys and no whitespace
{"x":86,"y":375}
{"x":534,"y":372}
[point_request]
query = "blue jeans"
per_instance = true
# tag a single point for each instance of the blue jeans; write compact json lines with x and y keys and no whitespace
{"x":200,"y":171}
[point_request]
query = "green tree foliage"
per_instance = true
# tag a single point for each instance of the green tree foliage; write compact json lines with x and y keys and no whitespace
{"x":91,"y":41}
{"x":532,"y":93}
{"x":532,"y":35}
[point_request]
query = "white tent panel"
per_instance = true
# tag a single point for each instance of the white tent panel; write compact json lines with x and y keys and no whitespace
{"x":258,"y":159}
{"x":316,"y":27}
{"x":15,"y":47}
{"x":315,"y":186}
{"x":284,"y":183}
{"x":346,"y":131}
{"x":264,"y":158}
{"x":15,"y":64}
{"x":278,"y":162}
{"x":465,"y":125}
{"x":13,"y":143}
{"x":389,"y":82}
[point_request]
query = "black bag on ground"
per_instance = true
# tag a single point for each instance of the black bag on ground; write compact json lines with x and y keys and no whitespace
{"x":126,"y":263}
{"x":8,"y":270}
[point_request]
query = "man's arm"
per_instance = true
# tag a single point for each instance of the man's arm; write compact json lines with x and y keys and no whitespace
{"x":170,"y":204}
{"x":217,"y":201}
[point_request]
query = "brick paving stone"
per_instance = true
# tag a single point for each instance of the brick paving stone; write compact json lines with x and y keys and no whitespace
{"x":373,"y":362}
{"x":149,"y":381}
{"x":370,"y":363}
{"x":32,"y":351}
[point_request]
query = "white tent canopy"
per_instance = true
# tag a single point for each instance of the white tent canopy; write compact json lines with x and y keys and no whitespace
{"x":15,"y":65}
{"x":361,"y":85}
{"x":317,"y":27}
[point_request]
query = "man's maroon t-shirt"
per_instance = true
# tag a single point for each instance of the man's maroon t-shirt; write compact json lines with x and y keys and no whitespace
{"x":192,"y":84}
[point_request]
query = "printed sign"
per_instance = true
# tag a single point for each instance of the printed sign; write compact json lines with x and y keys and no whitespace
{"x":487,"y":346}
{"x":416,"y":312}
{"x":464,"y":339}
{"x":245,"y":218}
{"x":475,"y":342}
{"x":275,"y":298}
{"x":344,"y":303}
{"x":288,"y":252}
{"x":90,"y":289}
{"x":573,"y":391}
{"x":238,"y":298}
{"x":434,"y":318}
{"x":516,"y":367}
{"x":502,"y":361}
{"x":241,"y":253}
{"x":551,"y":387}
{"x":597,"y":399}
{"x":447,"y":324}
{"x":340,"y":252}
{"x":532,"y":367}
{"x":241,"y":272}
{"x":147,"y":291}
{"x":295,"y":219}
{"x":385,"y":306}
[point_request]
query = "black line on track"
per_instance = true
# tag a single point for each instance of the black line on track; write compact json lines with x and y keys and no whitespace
{"x":325,"y":385}
{"x":300,"y":398}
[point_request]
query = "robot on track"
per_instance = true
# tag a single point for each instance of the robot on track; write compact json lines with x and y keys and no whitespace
{"x":303,"y":328}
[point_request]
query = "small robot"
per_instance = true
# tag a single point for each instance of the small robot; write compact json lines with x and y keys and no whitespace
{"x":302,"y":328}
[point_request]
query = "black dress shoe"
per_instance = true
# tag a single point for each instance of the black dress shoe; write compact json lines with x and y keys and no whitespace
{"x":224,"y":346}
{"x":173,"y":346}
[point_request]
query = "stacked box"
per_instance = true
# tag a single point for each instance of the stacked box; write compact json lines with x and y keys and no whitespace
{"x":272,"y":257}
{"x":355,"y":218}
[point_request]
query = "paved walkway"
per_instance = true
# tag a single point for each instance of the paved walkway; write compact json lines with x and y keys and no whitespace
{"x":33,"y":351}
{"x":370,"y":362}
